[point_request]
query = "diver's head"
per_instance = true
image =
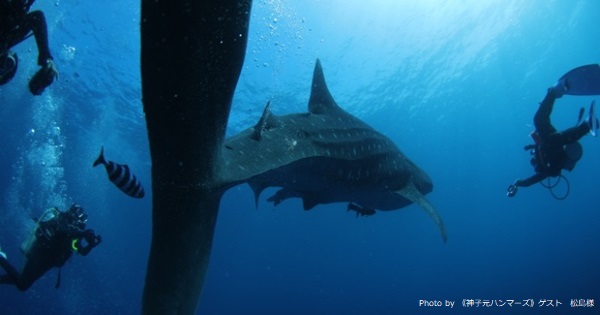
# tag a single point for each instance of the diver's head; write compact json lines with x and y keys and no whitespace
{"x":77,"y":216}
{"x":574,"y":151}
{"x":8,"y":66}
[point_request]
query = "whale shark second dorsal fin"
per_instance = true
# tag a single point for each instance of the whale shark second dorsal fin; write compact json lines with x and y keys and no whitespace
{"x":321,"y":101}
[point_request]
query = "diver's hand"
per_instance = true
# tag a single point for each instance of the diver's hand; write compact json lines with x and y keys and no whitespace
{"x":91,"y":238}
{"x":97,"y":240}
{"x":511,"y":191}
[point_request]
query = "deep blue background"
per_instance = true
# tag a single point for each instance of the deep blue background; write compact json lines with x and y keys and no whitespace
{"x":454,"y":83}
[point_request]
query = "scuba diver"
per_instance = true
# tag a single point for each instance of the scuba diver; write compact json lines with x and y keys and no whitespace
{"x":16,"y":25}
{"x":56,"y":236}
{"x":554,"y":151}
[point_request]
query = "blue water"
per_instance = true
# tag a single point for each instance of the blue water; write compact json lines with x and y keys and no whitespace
{"x":454,"y":84}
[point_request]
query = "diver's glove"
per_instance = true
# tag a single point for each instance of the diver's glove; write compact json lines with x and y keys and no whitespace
{"x":511,"y":191}
{"x":43,"y":78}
{"x":91,"y":238}
{"x":97,"y":240}
{"x":560,"y":88}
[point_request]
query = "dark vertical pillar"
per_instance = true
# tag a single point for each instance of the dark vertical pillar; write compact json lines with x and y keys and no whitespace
{"x":192,"y":55}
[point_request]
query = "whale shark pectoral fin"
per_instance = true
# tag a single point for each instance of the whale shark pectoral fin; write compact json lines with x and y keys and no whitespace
{"x":309,"y":201}
{"x":411,"y":193}
{"x":257,"y":189}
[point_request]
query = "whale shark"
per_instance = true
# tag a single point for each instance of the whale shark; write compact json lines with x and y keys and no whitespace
{"x":192,"y":53}
{"x":325,"y":155}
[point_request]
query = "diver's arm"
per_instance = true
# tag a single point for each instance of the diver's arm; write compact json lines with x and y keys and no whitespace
{"x":534,"y":179}
{"x":12,"y":276}
{"x":512,"y":189}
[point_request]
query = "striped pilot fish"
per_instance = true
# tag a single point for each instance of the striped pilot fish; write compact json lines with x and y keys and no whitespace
{"x":121,"y":176}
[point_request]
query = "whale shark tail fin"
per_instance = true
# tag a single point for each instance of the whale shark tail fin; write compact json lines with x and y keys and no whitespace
{"x":411,"y":193}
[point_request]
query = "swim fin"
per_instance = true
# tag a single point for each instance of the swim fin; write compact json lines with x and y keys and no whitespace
{"x":8,"y":66}
{"x":43,"y":78}
{"x":584,"y":80}
{"x":592,"y":121}
{"x":581,"y":112}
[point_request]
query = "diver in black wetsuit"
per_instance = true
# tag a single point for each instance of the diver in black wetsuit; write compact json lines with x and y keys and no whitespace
{"x":57,"y":235}
{"x":16,"y":25}
{"x":553,"y":150}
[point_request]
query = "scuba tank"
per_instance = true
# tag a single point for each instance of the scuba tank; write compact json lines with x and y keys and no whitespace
{"x":48,"y":215}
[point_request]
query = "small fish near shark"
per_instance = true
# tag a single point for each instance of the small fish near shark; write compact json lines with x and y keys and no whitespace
{"x":324,"y":156}
{"x":121,"y":176}
{"x":360,"y":211}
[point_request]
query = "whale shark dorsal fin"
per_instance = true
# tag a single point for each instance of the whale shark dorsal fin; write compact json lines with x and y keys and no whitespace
{"x":266,"y":122}
{"x":321,"y":101}
{"x":411,"y":193}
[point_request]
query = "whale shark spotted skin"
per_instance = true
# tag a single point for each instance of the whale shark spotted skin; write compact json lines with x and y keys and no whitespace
{"x":323,"y":156}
